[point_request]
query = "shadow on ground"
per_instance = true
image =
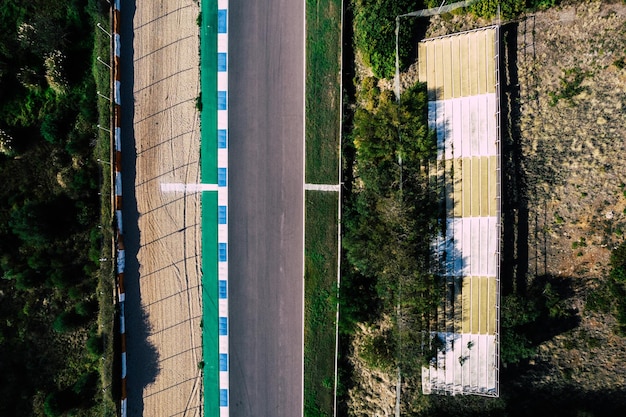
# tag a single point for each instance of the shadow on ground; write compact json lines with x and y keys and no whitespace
{"x":514,"y":263}
{"x":142,"y":357}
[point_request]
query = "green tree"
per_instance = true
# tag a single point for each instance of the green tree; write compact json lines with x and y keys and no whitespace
{"x":68,"y":321}
{"x":95,"y":345}
{"x":53,"y":405}
{"x":374,"y":33}
{"x":379,"y":350}
{"x":516,"y":313}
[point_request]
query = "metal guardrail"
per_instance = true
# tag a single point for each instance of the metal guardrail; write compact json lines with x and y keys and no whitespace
{"x":116,"y":184}
{"x":498,"y":206}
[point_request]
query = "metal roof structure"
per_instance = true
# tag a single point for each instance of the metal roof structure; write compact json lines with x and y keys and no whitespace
{"x":461,"y":72}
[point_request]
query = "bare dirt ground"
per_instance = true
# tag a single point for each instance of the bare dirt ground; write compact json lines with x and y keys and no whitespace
{"x":573,"y":148}
{"x":167,"y":141}
{"x":573,"y":161}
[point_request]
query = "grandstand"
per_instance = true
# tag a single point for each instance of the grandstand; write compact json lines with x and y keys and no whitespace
{"x":461,"y":73}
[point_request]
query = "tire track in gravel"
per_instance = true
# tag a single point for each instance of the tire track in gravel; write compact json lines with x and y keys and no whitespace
{"x":166,"y":133}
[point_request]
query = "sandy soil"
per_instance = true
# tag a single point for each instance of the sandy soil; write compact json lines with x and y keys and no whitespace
{"x":167,"y":139}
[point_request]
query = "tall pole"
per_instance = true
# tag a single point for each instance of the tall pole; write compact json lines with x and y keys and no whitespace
{"x":398,"y":312}
{"x":397,"y":76}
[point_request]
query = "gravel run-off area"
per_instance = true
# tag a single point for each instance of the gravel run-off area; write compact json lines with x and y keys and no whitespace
{"x":165,"y":341}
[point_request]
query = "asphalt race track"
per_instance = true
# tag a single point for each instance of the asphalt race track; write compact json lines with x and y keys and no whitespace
{"x":266,"y":130}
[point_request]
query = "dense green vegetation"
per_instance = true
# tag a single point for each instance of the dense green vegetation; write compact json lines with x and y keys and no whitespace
{"x":611,"y":297}
{"x":375,"y":25}
{"x":375,"y":33}
{"x":389,"y":219}
{"x":51,"y":240}
{"x":529,"y":317}
{"x":569,"y":86}
{"x":489,"y":8}
{"x":617,"y":285}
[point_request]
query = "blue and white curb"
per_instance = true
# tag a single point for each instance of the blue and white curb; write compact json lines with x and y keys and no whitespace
{"x":222,"y":200}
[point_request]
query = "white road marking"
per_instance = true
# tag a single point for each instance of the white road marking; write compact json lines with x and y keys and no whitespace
{"x":321,"y":187}
{"x":173,"y":187}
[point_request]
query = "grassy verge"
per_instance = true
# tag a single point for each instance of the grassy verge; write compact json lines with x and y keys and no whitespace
{"x":323,"y":101}
{"x":106,"y":274}
{"x":323,"y":54}
{"x":320,"y":302}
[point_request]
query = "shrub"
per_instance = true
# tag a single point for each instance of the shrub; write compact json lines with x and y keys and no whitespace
{"x":618,"y":274}
{"x":508,"y":8}
{"x":618,"y":256}
{"x":599,"y":299}
{"x":86,"y":308}
{"x":379,"y":350}
{"x":52,"y":405}
{"x":49,"y":129}
{"x":515,"y":347}
{"x":95,"y":345}
{"x":67,"y":321}
{"x":24,"y":280}
{"x":85,"y":389}
{"x":61,"y":279}
{"x":517,"y":312}
{"x":374,"y":33}
{"x":569,"y":86}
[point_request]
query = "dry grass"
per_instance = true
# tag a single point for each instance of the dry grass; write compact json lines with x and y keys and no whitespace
{"x":573,"y":149}
{"x":374,"y":390}
{"x":573,"y":160}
